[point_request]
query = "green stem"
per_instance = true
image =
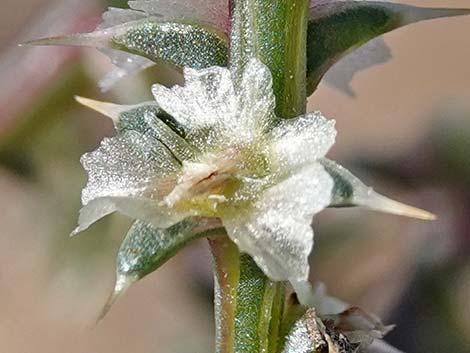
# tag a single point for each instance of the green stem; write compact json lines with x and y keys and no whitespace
{"x":275,"y":31}
{"x":226,"y":278}
{"x":249,"y":306}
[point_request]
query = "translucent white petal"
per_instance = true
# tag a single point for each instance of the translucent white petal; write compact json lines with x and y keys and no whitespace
{"x":277,"y":231}
{"x":215,"y":12}
{"x":257,"y":101}
{"x":207,"y":100}
{"x":380,"y":346}
{"x":126,"y":63}
{"x":131,"y":174}
{"x":373,"y":53}
{"x":127,"y":165}
{"x":212,"y":12}
{"x":116,"y":16}
{"x":302,"y":140}
{"x":144,"y":209}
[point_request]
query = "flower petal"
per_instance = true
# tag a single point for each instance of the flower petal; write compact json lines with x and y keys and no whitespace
{"x":302,"y":140}
{"x":128,"y":173}
{"x":257,"y":101}
{"x":276,"y":231}
{"x":150,"y":211}
{"x":206,"y":99}
{"x":126,"y":165}
{"x":214,"y":12}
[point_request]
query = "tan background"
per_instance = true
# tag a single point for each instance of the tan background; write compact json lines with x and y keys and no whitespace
{"x":167,"y":312}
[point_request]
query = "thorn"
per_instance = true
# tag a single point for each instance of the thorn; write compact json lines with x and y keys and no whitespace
{"x":379,"y":202}
{"x":111,"y":110}
{"x":122,"y":285}
{"x":416,"y":14}
{"x":75,"y":232}
{"x":411,"y":14}
{"x":97,"y":39}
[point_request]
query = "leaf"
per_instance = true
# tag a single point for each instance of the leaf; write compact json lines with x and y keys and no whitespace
{"x":349,"y":191}
{"x":133,"y":117}
{"x":148,"y":119}
{"x":142,"y":42}
{"x":338,"y":27}
{"x":146,"y":248}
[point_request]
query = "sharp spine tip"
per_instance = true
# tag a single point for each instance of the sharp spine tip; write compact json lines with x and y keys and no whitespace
{"x":111,"y":110}
{"x":122,"y":285}
{"x":98,"y":39}
{"x":379,"y":202}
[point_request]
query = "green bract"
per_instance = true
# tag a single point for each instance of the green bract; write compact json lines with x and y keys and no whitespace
{"x":339,"y":27}
{"x":162,"y":31}
{"x":151,"y":41}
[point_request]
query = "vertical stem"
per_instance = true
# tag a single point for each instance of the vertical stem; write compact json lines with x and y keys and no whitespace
{"x":226,"y":277}
{"x":274,"y":31}
{"x":249,"y":306}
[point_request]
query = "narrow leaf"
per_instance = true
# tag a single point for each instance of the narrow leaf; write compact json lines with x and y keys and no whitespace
{"x":338,"y":27}
{"x":133,"y":117}
{"x":350,"y":191}
{"x":146,"y":248}
{"x":149,"y":40}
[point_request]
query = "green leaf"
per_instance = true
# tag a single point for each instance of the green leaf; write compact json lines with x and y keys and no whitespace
{"x":148,"y":119}
{"x":349,"y":191}
{"x":133,"y":117}
{"x":336,"y":28}
{"x":146,"y":248}
{"x":177,"y":44}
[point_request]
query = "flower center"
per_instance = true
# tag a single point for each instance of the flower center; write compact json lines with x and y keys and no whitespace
{"x":211,"y":182}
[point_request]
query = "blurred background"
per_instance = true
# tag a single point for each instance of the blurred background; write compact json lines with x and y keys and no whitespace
{"x":404,"y":127}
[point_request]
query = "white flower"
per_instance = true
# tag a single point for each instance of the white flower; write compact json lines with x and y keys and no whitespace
{"x":264,"y":182}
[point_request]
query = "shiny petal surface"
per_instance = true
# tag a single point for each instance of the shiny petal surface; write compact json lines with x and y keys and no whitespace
{"x":214,"y":12}
{"x":302,"y":140}
{"x":126,"y":165}
{"x":128,"y":173}
{"x":257,"y":101}
{"x":150,"y":211}
{"x":207,"y":99}
{"x":277,"y":231}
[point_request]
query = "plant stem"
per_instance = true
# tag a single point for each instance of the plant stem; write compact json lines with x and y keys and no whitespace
{"x":274,"y":31}
{"x":249,"y":306}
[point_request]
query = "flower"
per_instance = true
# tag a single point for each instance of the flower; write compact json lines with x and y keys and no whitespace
{"x":264,"y":178}
{"x":263,"y":182}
